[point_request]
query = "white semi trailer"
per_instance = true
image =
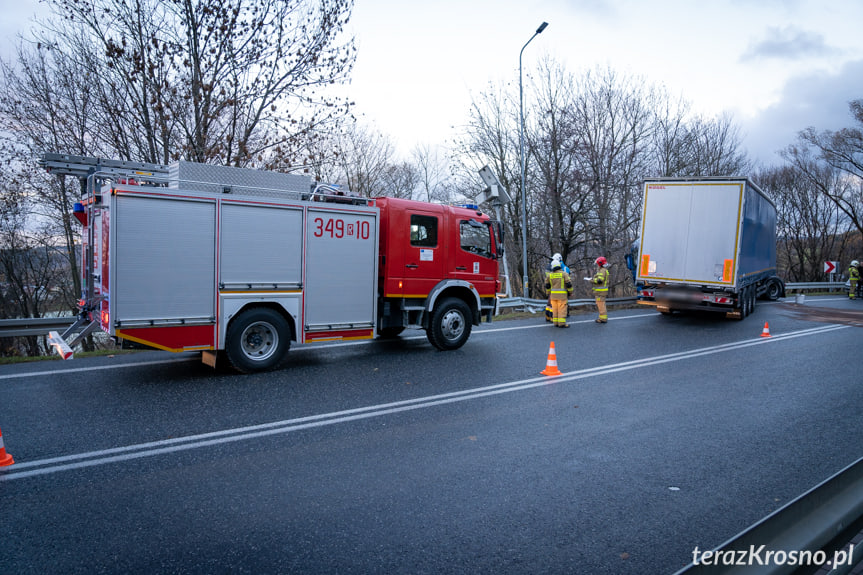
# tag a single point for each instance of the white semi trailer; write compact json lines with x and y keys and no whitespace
{"x":707,"y":244}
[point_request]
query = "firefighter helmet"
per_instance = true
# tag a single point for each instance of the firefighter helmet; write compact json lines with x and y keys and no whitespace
{"x":555,"y":264}
{"x":855,"y":263}
{"x":601,"y":261}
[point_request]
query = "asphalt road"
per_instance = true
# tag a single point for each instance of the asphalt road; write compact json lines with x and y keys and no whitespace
{"x":662,"y":434}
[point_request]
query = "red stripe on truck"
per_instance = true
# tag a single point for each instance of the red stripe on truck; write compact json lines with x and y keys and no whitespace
{"x":173,"y":338}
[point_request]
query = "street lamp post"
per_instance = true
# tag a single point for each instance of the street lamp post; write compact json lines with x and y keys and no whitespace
{"x":523,"y":159}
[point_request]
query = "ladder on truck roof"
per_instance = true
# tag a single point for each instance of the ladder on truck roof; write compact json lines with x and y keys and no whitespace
{"x":83,"y":166}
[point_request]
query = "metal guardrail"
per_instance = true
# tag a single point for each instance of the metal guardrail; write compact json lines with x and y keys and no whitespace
{"x":33,"y":325}
{"x":803,"y":286}
{"x":534,"y":305}
{"x":42,"y":325}
{"x":819,"y":524}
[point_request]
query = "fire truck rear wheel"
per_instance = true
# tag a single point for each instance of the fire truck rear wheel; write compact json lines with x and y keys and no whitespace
{"x":450,"y":324}
{"x":257,"y":340}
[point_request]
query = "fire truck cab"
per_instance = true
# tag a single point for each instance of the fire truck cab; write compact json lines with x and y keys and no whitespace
{"x":438,"y":269}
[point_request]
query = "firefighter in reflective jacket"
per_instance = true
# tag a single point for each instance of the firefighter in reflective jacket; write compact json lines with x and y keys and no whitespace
{"x":556,"y":257}
{"x":854,"y":277}
{"x":559,"y":288}
{"x":600,"y":288}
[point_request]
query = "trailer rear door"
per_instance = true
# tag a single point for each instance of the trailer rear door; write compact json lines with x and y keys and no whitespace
{"x":691,"y":232}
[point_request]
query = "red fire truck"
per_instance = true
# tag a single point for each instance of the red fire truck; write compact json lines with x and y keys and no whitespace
{"x":238,"y":262}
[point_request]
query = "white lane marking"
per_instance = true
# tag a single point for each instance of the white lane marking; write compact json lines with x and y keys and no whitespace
{"x":126,"y":453}
{"x":299,"y":348}
{"x":95,"y":368}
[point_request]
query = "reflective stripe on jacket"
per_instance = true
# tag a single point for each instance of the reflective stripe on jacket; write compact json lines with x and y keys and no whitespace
{"x":600,"y":282}
{"x":559,"y":285}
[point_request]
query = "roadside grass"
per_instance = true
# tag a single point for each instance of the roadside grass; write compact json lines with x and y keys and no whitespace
{"x":97,"y":353}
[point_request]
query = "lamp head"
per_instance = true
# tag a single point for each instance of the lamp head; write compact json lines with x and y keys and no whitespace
{"x":542,"y":27}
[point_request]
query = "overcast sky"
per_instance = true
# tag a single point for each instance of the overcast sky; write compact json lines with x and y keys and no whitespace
{"x":778,"y":66}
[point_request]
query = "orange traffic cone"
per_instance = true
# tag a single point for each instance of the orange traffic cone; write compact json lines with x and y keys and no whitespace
{"x":5,"y":458}
{"x":551,"y":364}
{"x":766,"y":331}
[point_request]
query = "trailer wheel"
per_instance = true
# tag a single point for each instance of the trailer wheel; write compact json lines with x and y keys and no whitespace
{"x":747,"y":301}
{"x":450,"y":324}
{"x":774,"y":290}
{"x":744,"y":303}
{"x":257,"y":340}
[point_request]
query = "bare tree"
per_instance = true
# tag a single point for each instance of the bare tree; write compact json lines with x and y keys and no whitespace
{"x":684,"y":145}
{"x":400,"y":180}
{"x":363,"y":158}
{"x":237,"y":82}
{"x":843,"y":151}
{"x":432,"y":172}
{"x":612,"y":124}
{"x":671,"y":150}
{"x":811,"y":229}
{"x":561,"y":198}
{"x":32,"y":272}
{"x":42,"y":108}
{"x":491,"y":138}
{"x":714,"y":148}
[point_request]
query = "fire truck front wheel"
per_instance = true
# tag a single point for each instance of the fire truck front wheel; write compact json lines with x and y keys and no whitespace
{"x":257,"y":340}
{"x":450,"y":324}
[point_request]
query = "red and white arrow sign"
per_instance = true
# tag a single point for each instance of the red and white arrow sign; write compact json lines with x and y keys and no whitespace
{"x":830,"y":267}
